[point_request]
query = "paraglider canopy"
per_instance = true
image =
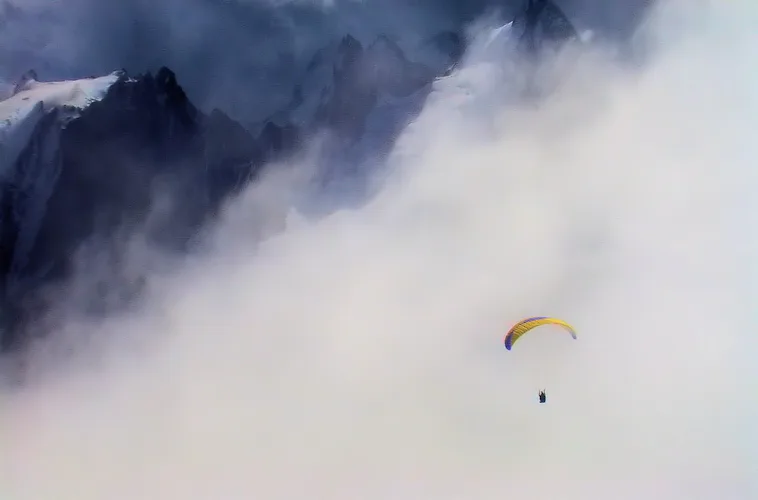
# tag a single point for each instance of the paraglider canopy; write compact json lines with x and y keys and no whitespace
{"x":528,"y":324}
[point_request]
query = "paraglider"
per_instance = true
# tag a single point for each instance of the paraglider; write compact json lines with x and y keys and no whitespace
{"x":528,"y":324}
{"x":525,"y":325}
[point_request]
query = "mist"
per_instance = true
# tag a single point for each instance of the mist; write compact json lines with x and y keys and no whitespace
{"x":360,"y":355}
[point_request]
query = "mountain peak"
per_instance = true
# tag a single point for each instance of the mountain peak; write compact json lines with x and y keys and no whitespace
{"x":349,"y":42}
{"x":23,"y":82}
{"x":542,"y":23}
{"x":384,"y":43}
{"x":349,"y":51}
{"x":166,"y":78}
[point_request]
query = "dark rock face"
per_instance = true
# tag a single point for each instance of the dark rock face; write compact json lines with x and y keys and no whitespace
{"x":344,"y":82}
{"x":542,"y":24}
{"x":100,"y":172}
{"x":106,"y":167}
{"x":362,"y":76}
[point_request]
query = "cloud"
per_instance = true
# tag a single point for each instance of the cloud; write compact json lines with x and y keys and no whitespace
{"x":360,"y":355}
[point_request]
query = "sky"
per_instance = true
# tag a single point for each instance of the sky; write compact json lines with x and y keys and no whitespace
{"x":359,"y":355}
{"x":241,"y":56}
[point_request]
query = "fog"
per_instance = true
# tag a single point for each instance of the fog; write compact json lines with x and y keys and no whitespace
{"x":360,"y":355}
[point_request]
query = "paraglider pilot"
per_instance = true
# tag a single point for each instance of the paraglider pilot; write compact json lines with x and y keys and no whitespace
{"x":543,"y":397}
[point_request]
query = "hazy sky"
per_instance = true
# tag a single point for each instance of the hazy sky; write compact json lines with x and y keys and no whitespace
{"x":360,"y":355}
{"x":242,"y":56}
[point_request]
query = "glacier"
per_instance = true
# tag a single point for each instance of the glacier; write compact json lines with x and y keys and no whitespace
{"x":31,"y":100}
{"x":30,"y":123}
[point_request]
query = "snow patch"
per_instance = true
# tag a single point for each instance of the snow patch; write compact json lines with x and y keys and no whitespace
{"x":20,"y":113}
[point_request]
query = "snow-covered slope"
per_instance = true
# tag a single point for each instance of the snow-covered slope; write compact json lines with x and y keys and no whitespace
{"x":31,"y":121}
{"x":20,"y":113}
